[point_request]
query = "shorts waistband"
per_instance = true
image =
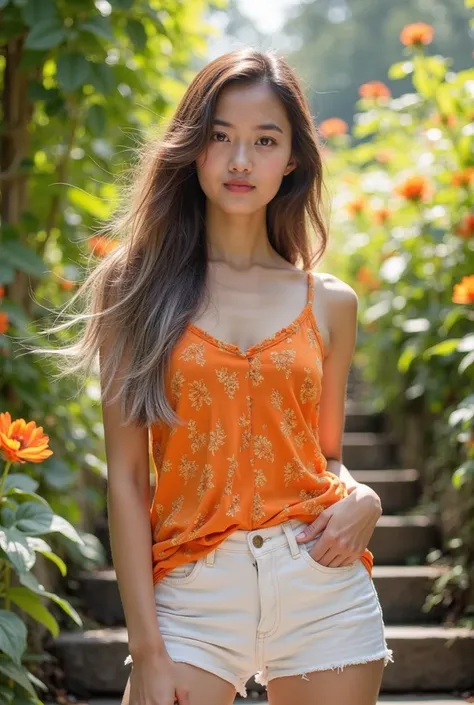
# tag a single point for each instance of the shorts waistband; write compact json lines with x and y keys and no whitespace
{"x":266,"y":539}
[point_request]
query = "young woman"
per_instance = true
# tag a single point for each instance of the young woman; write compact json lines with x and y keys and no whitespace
{"x":225,"y":358}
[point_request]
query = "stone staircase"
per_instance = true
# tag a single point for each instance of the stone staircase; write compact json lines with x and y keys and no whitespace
{"x":428,"y":657}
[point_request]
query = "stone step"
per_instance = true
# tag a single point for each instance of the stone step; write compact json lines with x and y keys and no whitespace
{"x":398,"y":489}
{"x":369,"y":451}
{"x":359,"y":418}
{"x":404,"y":540}
{"x":402,"y":591}
{"x":426,"y":659}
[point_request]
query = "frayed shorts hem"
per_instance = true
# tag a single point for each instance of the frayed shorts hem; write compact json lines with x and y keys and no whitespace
{"x":263,"y":677}
{"x":240,"y":684}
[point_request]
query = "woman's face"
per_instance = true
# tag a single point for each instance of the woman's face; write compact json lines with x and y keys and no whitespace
{"x":243,"y":149}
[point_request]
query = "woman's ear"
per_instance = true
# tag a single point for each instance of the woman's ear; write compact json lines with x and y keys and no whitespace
{"x":292,"y":164}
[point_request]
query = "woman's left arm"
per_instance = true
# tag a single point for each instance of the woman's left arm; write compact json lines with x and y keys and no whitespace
{"x":347,"y":525}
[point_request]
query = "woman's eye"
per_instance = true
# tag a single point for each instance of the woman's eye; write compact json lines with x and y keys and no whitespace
{"x":218,"y":134}
{"x":272,"y":141}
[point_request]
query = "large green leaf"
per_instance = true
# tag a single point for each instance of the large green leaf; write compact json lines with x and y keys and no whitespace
{"x":46,"y":35}
{"x":17,"y":673}
{"x":15,"y":546}
{"x":31,"y":603}
{"x":98,"y":26}
{"x":31,"y":582}
{"x":102,"y":78}
{"x":20,"y":481}
{"x":137,"y":33}
{"x":12,"y":635}
{"x":40,"y":546}
{"x":72,"y":71}
{"x":22,"y":257}
{"x":96,"y":119}
{"x":33,"y":518}
{"x":39,"y":11}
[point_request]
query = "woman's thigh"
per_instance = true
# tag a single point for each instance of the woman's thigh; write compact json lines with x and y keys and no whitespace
{"x":357,"y":684}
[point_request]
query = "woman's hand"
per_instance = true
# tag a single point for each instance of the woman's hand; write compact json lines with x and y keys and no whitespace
{"x":346,"y":528}
{"x":154,"y":681}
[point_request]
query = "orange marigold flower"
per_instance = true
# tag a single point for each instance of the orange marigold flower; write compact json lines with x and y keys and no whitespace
{"x":356,"y":206}
{"x":3,"y":322}
{"x":101,"y":245}
{"x":382,"y":215}
{"x":22,"y":442}
{"x":414,"y":188}
{"x":416,"y":34}
{"x":367,"y":278}
{"x":464,"y":177}
{"x":375,"y":90}
{"x":333,"y":127}
{"x":466,"y":226}
{"x":463,"y":292}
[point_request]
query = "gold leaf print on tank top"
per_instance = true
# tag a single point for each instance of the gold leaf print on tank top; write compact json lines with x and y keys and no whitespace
{"x":258,"y":511}
{"x":198,"y":440}
{"x":206,"y":481}
{"x":260,"y":478}
{"x":195,"y":352}
{"x":199,"y":394}
{"x":216,"y":438}
{"x":283,"y":360}
{"x":230,"y":381}
{"x":234,"y":507}
{"x":187,"y":469}
{"x":177,"y":382}
{"x":309,"y":390}
{"x":176,"y":507}
{"x":293,"y":471}
{"x":233,"y":465}
{"x":263,"y":448}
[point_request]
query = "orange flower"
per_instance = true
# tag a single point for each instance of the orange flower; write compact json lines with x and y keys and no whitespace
{"x":464,"y":177}
{"x":367,"y":278}
{"x":417,"y":34}
{"x":356,"y":206}
{"x":101,"y":245}
{"x":333,"y":127}
{"x":466,"y":226}
{"x":23,"y":442}
{"x":443,"y":119}
{"x":414,"y":188}
{"x":375,"y":90}
{"x":382,"y":215}
{"x":3,"y":322}
{"x":464,"y":291}
{"x":67,"y":284}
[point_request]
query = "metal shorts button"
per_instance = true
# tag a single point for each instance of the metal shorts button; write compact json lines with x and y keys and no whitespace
{"x":257,"y":541}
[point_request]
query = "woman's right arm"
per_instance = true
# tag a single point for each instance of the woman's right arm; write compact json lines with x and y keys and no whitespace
{"x":128,"y":505}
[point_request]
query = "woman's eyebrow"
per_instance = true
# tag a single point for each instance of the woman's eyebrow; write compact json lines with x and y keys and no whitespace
{"x":264,"y":126}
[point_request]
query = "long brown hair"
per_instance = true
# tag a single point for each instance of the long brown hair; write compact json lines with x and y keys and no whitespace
{"x":152,"y":284}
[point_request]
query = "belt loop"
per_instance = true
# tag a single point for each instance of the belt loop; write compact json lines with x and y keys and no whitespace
{"x":294,"y":546}
{"x":210,"y":558}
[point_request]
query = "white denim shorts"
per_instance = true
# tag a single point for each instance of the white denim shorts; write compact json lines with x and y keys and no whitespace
{"x":260,"y":605}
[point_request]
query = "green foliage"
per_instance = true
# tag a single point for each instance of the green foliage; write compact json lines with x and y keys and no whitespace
{"x":404,"y":236}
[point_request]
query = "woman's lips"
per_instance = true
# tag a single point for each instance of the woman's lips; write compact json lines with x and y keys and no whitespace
{"x":239,"y":189}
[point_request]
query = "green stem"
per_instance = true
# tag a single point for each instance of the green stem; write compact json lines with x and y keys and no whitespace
{"x":6,"y":470}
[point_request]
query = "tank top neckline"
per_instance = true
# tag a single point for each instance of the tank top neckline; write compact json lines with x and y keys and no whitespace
{"x":271,"y":339}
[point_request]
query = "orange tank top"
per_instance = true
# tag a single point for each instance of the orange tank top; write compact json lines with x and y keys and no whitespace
{"x":248,"y":455}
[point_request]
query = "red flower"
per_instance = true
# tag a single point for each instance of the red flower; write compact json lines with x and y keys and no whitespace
{"x":333,"y":127}
{"x":3,"y":322}
{"x":2,"y":292}
{"x":417,"y":34}
{"x":414,"y":188}
{"x":375,"y":90}
{"x":466,"y":226}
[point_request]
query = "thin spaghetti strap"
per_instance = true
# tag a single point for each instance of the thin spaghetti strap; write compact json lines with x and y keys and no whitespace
{"x":310,"y":287}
